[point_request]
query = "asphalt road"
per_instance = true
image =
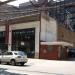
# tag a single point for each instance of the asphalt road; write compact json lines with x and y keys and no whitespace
{"x":40,"y":67}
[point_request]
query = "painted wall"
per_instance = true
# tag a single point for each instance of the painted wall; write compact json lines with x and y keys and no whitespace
{"x":55,"y":53}
{"x":48,"y":30}
{"x":45,"y":54}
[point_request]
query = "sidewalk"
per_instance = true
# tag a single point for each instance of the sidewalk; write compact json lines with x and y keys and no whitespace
{"x":53,"y":66}
{"x":44,"y":67}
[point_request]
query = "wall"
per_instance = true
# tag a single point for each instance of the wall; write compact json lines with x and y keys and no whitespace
{"x":2,"y":28}
{"x":55,"y":52}
{"x":45,"y":54}
{"x":66,"y":35}
{"x":48,"y":29}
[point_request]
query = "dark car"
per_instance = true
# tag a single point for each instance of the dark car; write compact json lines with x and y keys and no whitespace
{"x":71,"y":53}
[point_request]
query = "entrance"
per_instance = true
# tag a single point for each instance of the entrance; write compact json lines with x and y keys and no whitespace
{"x":3,"y":46}
{"x":24,"y":40}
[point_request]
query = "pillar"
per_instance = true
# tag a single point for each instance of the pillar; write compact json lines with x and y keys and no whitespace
{"x":10,"y":39}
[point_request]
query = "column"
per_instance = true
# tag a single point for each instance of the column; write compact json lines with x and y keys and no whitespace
{"x":10,"y":39}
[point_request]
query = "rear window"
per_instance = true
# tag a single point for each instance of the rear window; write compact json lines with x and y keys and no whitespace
{"x":16,"y":53}
{"x":72,"y":50}
{"x":8,"y":53}
{"x":19,"y":53}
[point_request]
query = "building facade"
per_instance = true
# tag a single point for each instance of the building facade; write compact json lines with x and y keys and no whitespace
{"x":35,"y":34}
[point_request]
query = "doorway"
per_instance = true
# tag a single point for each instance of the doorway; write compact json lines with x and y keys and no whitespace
{"x":3,"y":45}
{"x":24,"y":40}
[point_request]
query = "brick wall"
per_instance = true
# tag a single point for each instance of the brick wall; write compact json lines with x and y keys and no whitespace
{"x":65,"y":35}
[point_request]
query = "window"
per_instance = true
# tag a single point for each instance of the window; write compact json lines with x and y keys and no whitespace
{"x":15,"y":53}
{"x":8,"y":53}
{"x":19,"y":53}
{"x":49,"y":48}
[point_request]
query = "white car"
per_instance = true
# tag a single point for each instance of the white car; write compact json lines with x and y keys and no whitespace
{"x":14,"y":57}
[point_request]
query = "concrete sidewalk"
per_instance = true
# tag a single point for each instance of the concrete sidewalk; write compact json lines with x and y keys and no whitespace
{"x":54,"y":66}
{"x":44,"y":67}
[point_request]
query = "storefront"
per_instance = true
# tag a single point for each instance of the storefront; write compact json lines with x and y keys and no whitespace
{"x":3,"y":46}
{"x":21,"y":34}
{"x":54,"y":50}
{"x":24,"y":40}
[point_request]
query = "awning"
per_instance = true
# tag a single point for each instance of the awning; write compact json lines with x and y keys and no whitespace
{"x":57,"y":43}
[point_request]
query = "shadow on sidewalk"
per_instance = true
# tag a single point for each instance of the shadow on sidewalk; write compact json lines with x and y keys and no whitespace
{"x":4,"y":72}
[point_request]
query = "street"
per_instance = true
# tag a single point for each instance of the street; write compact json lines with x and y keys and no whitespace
{"x":40,"y":67}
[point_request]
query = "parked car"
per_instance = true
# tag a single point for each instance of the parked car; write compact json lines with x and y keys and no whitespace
{"x":14,"y":57}
{"x":71,"y":53}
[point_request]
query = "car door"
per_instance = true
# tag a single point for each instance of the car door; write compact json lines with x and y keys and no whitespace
{"x":0,"y":56}
{"x":7,"y":56}
{"x":3,"y":57}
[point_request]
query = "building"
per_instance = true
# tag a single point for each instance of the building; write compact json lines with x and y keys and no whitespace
{"x":36,"y":34}
{"x":40,"y":35}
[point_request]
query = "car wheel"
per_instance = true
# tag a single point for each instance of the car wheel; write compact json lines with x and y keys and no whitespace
{"x":7,"y":63}
{"x":22,"y":63}
{"x":13,"y":62}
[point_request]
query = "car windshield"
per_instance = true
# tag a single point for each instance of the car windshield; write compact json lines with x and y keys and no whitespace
{"x":19,"y":53}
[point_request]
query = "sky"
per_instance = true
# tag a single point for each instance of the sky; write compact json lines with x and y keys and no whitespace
{"x":17,"y":2}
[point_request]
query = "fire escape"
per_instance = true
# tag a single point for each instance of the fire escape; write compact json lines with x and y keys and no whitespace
{"x":64,"y":13}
